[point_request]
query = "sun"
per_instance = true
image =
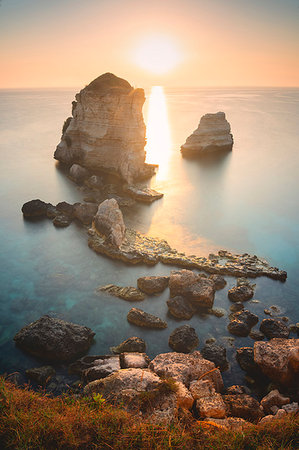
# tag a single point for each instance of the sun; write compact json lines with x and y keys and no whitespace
{"x":157,"y":53}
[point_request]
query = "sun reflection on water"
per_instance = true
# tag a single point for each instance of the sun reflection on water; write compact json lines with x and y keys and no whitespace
{"x":158,"y":132}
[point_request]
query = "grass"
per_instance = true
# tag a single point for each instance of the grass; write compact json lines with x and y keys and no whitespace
{"x":31,"y":420}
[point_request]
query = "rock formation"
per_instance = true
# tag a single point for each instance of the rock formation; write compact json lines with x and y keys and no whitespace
{"x":109,"y":222}
{"x":212,"y":135}
{"x":106,"y":131}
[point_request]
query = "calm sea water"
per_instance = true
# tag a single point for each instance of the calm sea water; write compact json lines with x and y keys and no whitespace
{"x":247,"y":202}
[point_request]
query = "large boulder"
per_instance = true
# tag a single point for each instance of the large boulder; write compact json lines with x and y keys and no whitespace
{"x":106,"y":131}
{"x":212,"y":135}
{"x":54,"y":339}
{"x":152,"y":285}
{"x":274,"y":328}
{"x":279,"y":359}
{"x":35,"y":208}
{"x":183,"y":339}
{"x":85,"y":212}
{"x":197,"y":289}
{"x":109,"y":222}
{"x":144,"y":319}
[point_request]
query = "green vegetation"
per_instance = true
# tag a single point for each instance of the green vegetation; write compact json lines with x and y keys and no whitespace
{"x":30,"y":420}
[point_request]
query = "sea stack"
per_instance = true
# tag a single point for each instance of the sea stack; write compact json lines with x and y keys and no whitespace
{"x":106,"y":132}
{"x":212,"y":135}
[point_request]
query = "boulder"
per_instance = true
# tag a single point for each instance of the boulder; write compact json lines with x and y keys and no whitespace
{"x":152,"y":285}
{"x":212,"y":135}
{"x":183,"y":339}
{"x":62,"y":221}
{"x":243,"y":405}
{"x":279,"y":359}
{"x":78,"y":173}
{"x":274,"y":398}
{"x":245,"y":358}
{"x":35,"y":208}
{"x":85,"y":212}
{"x":180,"y":308}
{"x":202,"y":293}
{"x":65,"y":208}
{"x":219,"y":281}
{"x":101,"y":368}
{"x":240,"y":293}
{"x":142,"y":194}
{"x":128,"y":293}
{"x":106,"y":131}
{"x":274,"y":328}
{"x":216,"y":354}
{"x":41,"y":375}
{"x":144,"y":319}
{"x":180,"y":280}
{"x":242,"y":322}
{"x":209,"y":403}
{"x":109,"y":222}
{"x":54,"y":339}
{"x":134,"y":360}
{"x":132,"y":344}
{"x":186,"y":368}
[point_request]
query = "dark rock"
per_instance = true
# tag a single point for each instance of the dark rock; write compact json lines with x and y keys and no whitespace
{"x":128,"y":293}
{"x":245,"y":358}
{"x":273,"y":328}
{"x":216,"y":354}
{"x":180,"y":308}
{"x":238,"y":306}
{"x":240,"y":293}
{"x":256,"y":335}
{"x":219,"y":281}
{"x":41,"y":374}
{"x":52,"y":212}
{"x":65,"y":208}
{"x":242,"y":405}
{"x":144,"y":319}
{"x":85,"y":212}
{"x":132,"y":344}
{"x":183,"y":339}
{"x":95,"y":182}
{"x":152,"y":285}
{"x":242,"y":322}
{"x":54,"y":339}
{"x":237,"y":390}
{"x":16,"y":378}
{"x":35,"y":208}
{"x":62,"y":221}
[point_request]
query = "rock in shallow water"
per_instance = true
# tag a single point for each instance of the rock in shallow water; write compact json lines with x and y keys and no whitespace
{"x":129,"y":293}
{"x":180,"y":308}
{"x":109,"y":222}
{"x":132,"y":344}
{"x":152,"y":285}
{"x":183,"y":339}
{"x":240,"y":293}
{"x":216,"y":354}
{"x":144,"y":319}
{"x":35,"y":208}
{"x":274,"y":328}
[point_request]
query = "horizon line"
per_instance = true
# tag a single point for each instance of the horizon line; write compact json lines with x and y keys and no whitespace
{"x":165,"y":86}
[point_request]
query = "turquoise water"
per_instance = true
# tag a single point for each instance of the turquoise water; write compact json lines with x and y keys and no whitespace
{"x":247,"y":202}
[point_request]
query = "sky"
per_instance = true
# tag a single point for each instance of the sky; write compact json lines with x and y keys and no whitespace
{"x":68,"y":43}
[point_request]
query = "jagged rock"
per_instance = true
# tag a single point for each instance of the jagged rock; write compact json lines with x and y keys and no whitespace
{"x":101,"y":368}
{"x":132,"y":344}
{"x":245,"y":358}
{"x":134,"y":360}
{"x":240,"y":293}
{"x":85,"y":212}
{"x":184,"y":397}
{"x":35,"y":208}
{"x":144,"y":319}
{"x":107,"y":130}
{"x":62,"y":221}
{"x":209,"y":403}
{"x":180,"y":308}
{"x":41,"y":374}
{"x":54,"y":339}
{"x":129,"y":293}
{"x":183,"y":339}
{"x":219,"y":281}
{"x":152,"y":285}
{"x":216,"y":354}
{"x":278,"y":359}
{"x":242,"y":322}
{"x":144,"y":194}
{"x":242,"y":405}
{"x":274,"y":328}
{"x":109,"y":222}
{"x":78,"y":173}
{"x":212,"y":135}
{"x":274,"y":398}
{"x":186,"y":368}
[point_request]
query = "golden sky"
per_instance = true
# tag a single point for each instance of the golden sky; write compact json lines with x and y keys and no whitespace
{"x":68,"y":43}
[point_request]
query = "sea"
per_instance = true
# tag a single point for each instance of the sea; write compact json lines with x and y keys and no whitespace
{"x":245,"y":201}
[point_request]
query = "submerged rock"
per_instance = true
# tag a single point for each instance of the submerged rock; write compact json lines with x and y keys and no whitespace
{"x":54,"y":339}
{"x":144,"y":319}
{"x":180,"y":308}
{"x":183,"y":339}
{"x":109,"y":222}
{"x":106,"y":131}
{"x":132,"y":344}
{"x":129,"y":293}
{"x":212,"y":135}
{"x":152,"y":285}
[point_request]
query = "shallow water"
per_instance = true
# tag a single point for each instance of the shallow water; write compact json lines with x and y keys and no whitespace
{"x":245,"y":202}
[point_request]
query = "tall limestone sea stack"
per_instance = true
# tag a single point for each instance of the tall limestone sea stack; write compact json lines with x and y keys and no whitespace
{"x":106,"y":132}
{"x":212,"y":135}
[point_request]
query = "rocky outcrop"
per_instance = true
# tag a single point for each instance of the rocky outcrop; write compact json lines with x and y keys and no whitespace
{"x":132,"y":344}
{"x":54,"y":339}
{"x":212,"y":135}
{"x":106,"y":131}
{"x":109,"y":222}
{"x":144,"y":319}
{"x":183,"y":339}
{"x":278,"y":359}
{"x":41,"y":375}
{"x":128,"y":293}
{"x":273,"y":399}
{"x":152,"y":285}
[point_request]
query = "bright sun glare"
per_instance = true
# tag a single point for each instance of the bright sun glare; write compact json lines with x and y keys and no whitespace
{"x":157,"y":53}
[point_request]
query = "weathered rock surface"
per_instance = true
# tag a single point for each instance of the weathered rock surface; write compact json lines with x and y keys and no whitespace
{"x":35,"y":208}
{"x":242,"y":405}
{"x":54,"y":339}
{"x":85,"y":212}
{"x":245,"y":358}
{"x":219,"y":281}
{"x":128,"y":293}
{"x":215,"y":353}
{"x":144,"y":319}
{"x":240,"y":293}
{"x":152,"y":285}
{"x":134,"y":360}
{"x":180,"y":281}
{"x":78,"y":173}
{"x":274,"y":398}
{"x":109,"y":222}
{"x":132,"y":344}
{"x":209,"y":403}
{"x":62,"y":221}
{"x":274,"y":328}
{"x":41,"y":375}
{"x":180,"y":308}
{"x":197,"y":289}
{"x":242,"y":322}
{"x":279,"y":359}
{"x":186,"y":368}
{"x":106,"y":131}
{"x":101,"y":368}
{"x":183,"y":339}
{"x":212,"y":135}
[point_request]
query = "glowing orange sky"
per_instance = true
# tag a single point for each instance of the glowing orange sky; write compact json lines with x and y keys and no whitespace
{"x":224,"y":43}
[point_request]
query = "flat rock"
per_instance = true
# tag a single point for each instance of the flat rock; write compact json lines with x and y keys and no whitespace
{"x":183,"y":339}
{"x":180,"y":308}
{"x":128,"y":293}
{"x":144,"y":319}
{"x":54,"y":339}
{"x":109,"y":222}
{"x":132,"y":344}
{"x":152,"y":285}
{"x":142,"y":194}
{"x":274,"y":328}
